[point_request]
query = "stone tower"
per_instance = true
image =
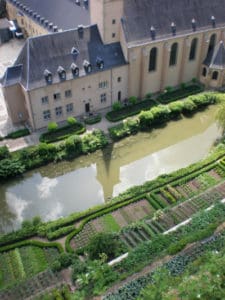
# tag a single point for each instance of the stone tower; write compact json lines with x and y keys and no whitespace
{"x":107,"y":14}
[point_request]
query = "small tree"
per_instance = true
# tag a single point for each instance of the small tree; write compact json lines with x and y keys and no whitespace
{"x":4,"y":152}
{"x":52,"y":126}
{"x":148,"y":96}
{"x":100,"y":243}
{"x":116,"y":106}
{"x":71,"y":121}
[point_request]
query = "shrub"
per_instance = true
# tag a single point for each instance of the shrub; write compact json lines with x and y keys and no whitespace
{"x":4,"y":152}
{"x":189,"y":107}
{"x":71,"y":121}
{"x":11,"y":168}
{"x":116,"y":106}
{"x":52,"y":126}
{"x":93,"y":119}
{"x":106,"y":243}
{"x":133,"y":100}
{"x":148,"y":96}
{"x":73,"y":145}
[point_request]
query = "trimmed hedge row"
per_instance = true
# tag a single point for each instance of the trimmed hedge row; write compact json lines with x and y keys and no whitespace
{"x":161,"y":114}
{"x":17,"y":134}
{"x":32,"y":243}
{"x":131,"y":110}
{"x":179,"y":93}
{"x":62,"y":133}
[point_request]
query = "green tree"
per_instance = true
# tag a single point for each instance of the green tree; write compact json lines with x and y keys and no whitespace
{"x":106,"y":243}
{"x":116,"y":106}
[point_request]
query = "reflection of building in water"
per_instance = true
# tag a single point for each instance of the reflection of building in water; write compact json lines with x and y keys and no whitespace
{"x":136,"y":47}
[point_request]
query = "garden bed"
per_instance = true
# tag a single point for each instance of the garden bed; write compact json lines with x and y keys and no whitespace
{"x":62,"y":133}
{"x":130,"y":110}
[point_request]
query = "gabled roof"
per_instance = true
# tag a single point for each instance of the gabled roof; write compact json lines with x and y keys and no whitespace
{"x":65,"y":14}
{"x":12,"y":75}
{"x":53,"y":50}
{"x":140,"y":15}
{"x":217,"y":59}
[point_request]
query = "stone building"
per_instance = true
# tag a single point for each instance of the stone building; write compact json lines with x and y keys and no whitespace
{"x":136,"y":47}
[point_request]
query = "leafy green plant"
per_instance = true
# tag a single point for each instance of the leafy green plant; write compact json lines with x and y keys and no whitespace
{"x":17,"y":134}
{"x":116,"y":106}
{"x":71,"y":121}
{"x":52,"y":126}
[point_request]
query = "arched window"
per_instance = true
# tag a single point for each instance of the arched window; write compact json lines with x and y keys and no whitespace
{"x":173,"y":54}
{"x":193,"y":50}
{"x":152,"y":60}
{"x":212,"y":43}
{"x":119,"y":96}
{"x":204,"y":72}
{"x":215,"y":75}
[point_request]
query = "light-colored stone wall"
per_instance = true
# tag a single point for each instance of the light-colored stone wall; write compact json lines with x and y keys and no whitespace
{"x":15,"y":103}
{"x":141,"y":81}
{"x":84,"y":90}
{"x":107,"y":14}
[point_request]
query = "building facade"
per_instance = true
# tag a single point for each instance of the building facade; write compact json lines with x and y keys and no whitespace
{"x":136,"y":47}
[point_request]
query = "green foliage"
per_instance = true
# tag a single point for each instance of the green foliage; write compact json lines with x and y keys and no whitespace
{"x":130,"y":110}
{"x":93,"y":119}
{"x":18,"y":133}
{"x":63,"y":132}
{"x":172,"y":94}
{"x":128,"y":127}
{"x":132,"y":100}
{"x":52,"y":126}
{"x":116,"y":106}
{"x":221,"y":116}
{"x":11,"y":168}
{"x":106,"y":243}
{"x":189,"y":107}
{"x":71,"y":121}
{"x":73,"y":145}
{"x":4,"y":152}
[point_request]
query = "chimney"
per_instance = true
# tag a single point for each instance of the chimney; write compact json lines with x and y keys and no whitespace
{"x":193,"y":24}
{"x":173,"y":28}
{"x":213,"y":21}
{"x":153,"y":33}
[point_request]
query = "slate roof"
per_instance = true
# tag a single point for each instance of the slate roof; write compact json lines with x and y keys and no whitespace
{"x":140,"y":15}
{"x":65,"y":14}
{"x":53,"y":50}
{"x":217,"y":60}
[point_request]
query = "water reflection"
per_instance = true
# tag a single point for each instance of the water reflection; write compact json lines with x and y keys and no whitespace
{"x":60,"y":189}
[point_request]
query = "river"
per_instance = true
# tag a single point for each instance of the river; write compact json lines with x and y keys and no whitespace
{"x":59,"y":189}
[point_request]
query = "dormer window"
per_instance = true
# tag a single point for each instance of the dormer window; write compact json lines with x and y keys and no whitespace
{"x":100,"y":63}
{"x":62,"y":73}
{"x":87,"y":66}
{"x":74,"y":51}
{"x":74,"y":70}
{"x":48,"y":76}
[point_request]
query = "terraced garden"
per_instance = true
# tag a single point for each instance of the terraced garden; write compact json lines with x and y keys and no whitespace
{"x":113,"y":222}
{"x":21,"y":263}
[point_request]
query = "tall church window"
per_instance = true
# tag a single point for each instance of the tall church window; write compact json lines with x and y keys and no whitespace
{"x":212,"y":43}
{"x":152,"y":60}
{"x":173,"y":54}
{"x":215,"y":75}
{"x":204,"y":72}
{"x":193,"y":49}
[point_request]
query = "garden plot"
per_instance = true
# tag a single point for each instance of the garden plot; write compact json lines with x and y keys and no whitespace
{"x":171,"y":217}
{"x":21,"y":263}
{"x":113,"y":222}
{"x":32,"y":286}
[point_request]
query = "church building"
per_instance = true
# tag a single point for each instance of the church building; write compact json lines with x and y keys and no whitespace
{"x":91,"y":53}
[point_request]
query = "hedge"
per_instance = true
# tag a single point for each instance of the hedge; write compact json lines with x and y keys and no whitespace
{"x":130,"y":110}
{"x":62,"y":133}
{"x":179,"y":93}
{"x":32,"y":243}
{"x":18,"y":134}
